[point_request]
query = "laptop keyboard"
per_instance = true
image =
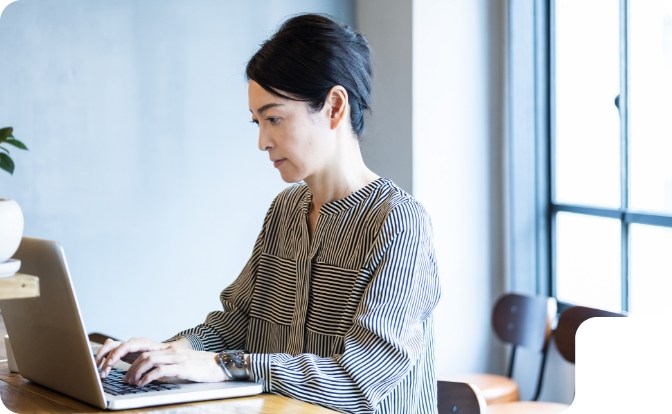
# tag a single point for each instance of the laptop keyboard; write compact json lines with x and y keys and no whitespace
{"x":114,"y":384}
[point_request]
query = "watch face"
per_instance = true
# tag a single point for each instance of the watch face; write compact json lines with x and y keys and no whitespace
{"x":233,"y":364}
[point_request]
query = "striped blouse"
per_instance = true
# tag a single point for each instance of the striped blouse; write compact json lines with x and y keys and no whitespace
{"x":342,"y":319}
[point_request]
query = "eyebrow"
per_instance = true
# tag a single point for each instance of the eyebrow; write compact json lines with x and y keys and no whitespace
{"x":266,"y":107}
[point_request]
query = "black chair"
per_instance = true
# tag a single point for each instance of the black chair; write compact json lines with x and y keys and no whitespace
{"x":99,"y":338}
{"x":459,"y":397}
{"x":518,"y":320}
{"x":564,"y":338}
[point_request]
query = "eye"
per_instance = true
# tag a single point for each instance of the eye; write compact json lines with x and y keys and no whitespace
{"x":273,"y":120}
{"x":255,"y":122}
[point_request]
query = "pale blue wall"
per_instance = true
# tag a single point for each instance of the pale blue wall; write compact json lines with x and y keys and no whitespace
{"x":142,"y":162}
{"x":144,"y":165}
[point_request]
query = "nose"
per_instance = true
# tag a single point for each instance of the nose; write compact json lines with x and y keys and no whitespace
{"x":264,"y":143}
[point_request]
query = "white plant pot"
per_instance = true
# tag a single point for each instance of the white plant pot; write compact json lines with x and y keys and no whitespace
{"x":11,"y":228}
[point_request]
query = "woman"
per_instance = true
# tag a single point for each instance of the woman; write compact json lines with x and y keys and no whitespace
{"x":334,"y":306}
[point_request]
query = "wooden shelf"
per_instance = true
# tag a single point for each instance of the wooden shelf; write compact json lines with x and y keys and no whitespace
{"x":19,"y":286}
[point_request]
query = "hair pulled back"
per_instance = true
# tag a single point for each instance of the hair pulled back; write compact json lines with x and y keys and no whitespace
{"x":307,"y":56}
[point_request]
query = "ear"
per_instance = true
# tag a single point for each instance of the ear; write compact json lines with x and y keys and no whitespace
{"x":337,"y":106}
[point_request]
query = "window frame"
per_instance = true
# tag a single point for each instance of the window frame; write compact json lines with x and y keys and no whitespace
{"x":531,"y":137}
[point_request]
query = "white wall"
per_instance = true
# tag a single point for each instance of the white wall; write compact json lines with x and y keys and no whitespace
{"x":457,"y":170}
{"x":387,"y":145}
{"x":436,"y":130}
{"x":142,"y":160}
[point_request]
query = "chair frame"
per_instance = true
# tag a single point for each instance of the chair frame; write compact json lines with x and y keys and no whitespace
{"x":459,"y":397}
{"x":570,"y":320}
{"x":564,"y":337}
{"x":519,"y":332}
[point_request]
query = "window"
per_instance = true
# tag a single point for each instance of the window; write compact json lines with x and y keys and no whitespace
{"x":598,"y":96}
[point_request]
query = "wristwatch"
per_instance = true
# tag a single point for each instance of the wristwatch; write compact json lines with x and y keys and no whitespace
{"x":234,"y":365}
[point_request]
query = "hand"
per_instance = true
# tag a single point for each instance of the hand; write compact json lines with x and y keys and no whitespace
{"x":113,"y":351}
{"x":152,"y":360}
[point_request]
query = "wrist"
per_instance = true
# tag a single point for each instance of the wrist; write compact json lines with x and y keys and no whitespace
{"x":180,"y":343}
{"x":235,"y":364}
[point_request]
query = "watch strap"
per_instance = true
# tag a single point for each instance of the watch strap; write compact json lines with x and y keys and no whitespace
{"x":234,"y":365}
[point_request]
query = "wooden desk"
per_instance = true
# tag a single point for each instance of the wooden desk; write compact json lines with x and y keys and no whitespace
{"x":22,"y":396}
{"x":19,"y":286}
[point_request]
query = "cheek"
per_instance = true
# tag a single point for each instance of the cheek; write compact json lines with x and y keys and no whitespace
{"x":298,"y":140}
{"x":303,"y":140}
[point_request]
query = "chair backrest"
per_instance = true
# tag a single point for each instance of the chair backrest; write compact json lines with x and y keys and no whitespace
{"x":459,"y":397}
{"x":569,"y":322}
{"x":524,"y":320}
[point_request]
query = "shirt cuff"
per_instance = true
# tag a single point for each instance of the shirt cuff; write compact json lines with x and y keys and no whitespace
{"x":260,"y":367}
{"x":194,"y":341}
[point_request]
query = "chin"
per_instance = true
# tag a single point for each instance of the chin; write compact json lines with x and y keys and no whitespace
{"x":290,"y":179}
{"x":291,"y":175}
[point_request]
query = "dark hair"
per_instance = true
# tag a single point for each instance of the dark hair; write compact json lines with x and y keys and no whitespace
{"x":307,"y":56}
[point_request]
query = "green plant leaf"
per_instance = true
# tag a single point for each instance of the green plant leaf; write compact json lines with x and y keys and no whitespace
{"x":5,"y":133}
{"x":16,"y":143}
{"x":6,"y":163}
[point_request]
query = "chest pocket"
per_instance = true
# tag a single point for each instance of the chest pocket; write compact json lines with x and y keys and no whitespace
{"x":274,"y":296}
{"x":334,"y":297}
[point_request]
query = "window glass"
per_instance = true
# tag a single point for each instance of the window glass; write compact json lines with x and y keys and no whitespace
{"x":650,"y":268}
{"x":650,"y":105}
{"x":588,"y":265}
{"x":586,"y":121}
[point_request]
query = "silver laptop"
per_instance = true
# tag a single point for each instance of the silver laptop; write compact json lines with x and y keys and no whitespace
{"x":51,"y":345}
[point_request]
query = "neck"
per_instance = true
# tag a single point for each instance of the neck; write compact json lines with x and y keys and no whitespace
{"x":350,"y":174}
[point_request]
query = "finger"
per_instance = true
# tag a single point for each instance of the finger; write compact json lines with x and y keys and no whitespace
{"x":107,"y":346}
{"x":102,"y":358}
{"x":130,"y":357}
{"x":156,"y":373}
{"x":133,"y":345}
{"x":112,"y":357}
{"x":146,"y":362}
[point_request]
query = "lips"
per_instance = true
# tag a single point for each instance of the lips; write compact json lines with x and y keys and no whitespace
{"x":278,"y":163}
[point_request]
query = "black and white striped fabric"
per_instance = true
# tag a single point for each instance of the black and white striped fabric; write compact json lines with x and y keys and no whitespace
{"x":342,"y":319}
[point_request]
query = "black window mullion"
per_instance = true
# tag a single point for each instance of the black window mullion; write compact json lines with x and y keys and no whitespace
{"x":592,"y":211}
{"x":624,"y":138}
{"x":650,"y":219}
{"x":546,"y":136}
{"x":544,"y":142}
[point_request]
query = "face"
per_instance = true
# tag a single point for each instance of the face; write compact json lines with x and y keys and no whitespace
{"x":295,"y":138}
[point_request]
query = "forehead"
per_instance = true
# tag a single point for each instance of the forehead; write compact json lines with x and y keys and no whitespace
{"x":260,"y":99}
{"x":259,"y":96}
